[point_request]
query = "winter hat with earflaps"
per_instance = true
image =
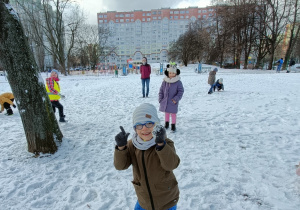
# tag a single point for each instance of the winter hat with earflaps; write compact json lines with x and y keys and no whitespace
{"x":144,"y":113}
{"x":221,"y":80}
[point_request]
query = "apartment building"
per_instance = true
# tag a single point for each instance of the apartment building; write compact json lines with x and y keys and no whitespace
{"x":139,"y":33}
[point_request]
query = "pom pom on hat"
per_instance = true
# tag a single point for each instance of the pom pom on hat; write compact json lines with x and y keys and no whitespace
{"x":144,"y":113}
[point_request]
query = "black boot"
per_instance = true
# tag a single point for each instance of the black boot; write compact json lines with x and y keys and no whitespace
{"x":173,"y":127}
{"x":167,"y":125}
{"x":62,"y":119}
{"x":9,"y":111}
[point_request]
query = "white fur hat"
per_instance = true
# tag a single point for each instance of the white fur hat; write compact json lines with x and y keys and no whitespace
{"x":144,"y":113}
{"x":171,"y":69}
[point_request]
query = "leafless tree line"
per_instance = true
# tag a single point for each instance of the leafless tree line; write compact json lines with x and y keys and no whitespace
{"x":242,"y":29}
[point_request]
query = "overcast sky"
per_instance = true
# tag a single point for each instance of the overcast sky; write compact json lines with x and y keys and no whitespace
{"x":92,"y":7}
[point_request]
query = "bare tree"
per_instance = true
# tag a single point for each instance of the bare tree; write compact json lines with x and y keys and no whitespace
{"x":61,"y":20}
{"x":40,"y":125}
{"x":293,"y":30}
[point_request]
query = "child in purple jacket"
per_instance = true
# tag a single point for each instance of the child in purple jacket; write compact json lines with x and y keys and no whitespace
{"x":170,"y":94}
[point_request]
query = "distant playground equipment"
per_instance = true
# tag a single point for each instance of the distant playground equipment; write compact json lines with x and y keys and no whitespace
{"x":202,"y":69}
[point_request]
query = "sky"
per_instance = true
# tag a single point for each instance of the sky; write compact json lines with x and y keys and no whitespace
{"x":92,"y":7}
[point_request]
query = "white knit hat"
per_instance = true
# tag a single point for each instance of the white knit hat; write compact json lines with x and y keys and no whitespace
{"x":221,"y":80}
{"x":172,"y":69}
{"x":144,"y":113}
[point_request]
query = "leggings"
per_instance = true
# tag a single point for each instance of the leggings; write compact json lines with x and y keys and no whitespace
{"x":167,"y":117}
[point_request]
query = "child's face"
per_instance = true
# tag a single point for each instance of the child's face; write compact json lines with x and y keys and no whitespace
{"x":145,"y":133}
{"x":171,"y":74}
{"x":53,"y":74}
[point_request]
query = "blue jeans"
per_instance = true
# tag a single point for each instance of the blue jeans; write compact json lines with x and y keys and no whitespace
{"x":145,"y":82}
{"x":211,"y":89}
{"x":138,"y":207}
{"x":278,"y":68}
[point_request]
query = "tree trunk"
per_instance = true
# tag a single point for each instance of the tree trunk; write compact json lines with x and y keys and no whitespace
{"x":39,"y":122}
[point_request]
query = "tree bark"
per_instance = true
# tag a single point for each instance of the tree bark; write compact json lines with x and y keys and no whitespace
{"x":39,"y":122}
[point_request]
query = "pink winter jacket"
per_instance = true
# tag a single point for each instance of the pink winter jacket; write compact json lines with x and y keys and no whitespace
{"x":145,"y":71}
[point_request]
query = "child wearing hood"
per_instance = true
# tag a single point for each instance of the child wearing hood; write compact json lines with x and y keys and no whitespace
{"x":53,"y":90}
{"x":7,"y":99}
{"x":170,"y":93}
{"x":153,"y":158}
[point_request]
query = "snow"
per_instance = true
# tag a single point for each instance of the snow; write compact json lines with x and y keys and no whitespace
{"x":12,"y":11}
{"x":238,"y":148}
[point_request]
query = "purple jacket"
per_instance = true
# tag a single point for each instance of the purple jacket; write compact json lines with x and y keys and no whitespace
{"x":170,"y":89}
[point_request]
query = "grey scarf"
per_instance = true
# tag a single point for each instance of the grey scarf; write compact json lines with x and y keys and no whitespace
{"x":140,"y":144}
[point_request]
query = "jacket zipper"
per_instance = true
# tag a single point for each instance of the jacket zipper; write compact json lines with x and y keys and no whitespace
{"x":146,"y":177}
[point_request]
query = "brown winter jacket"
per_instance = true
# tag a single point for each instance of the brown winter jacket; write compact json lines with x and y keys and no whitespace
{"x":211,"y":78}
{"x":6,"y":98}
{"x":155,"y":184}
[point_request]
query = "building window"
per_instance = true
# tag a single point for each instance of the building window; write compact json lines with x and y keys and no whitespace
{"x":121,"y":20}
{"x":199,"y":16}
{"x":186,"y":16}
{"x":181,"y":17}
{"x":100,"y":21}
{"x":159,"y":17}
{"x":171,"y":17}
{"x":175,"y":17}
{"x":171,"y":12}
{"x":204,"y":11}
{"x":117,"y":20}
{"x":187,"y":12}
{"x":143,"y":14}
{"x":132,"y":15}
{"x":204,"y":16}
{"x":154,"y":18}
{"x":159,"y":13}
{"x":132,"y":20}
{"x":182,"y":12}
{"x":105,"y":21}
{"x":176,"y":12}
{"x":127,"y":20}
{"x":148,"y":14}
{"x":117,"y":15}
{"x":153,"y":13}
{"x":143,"y":19}
{"x":199,"y":11}
{"x":121,"y":15}
{"x":100,"y":16}
{"x":127,"y":15}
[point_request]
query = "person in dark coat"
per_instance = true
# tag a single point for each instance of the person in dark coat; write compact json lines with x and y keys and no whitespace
{"x":145,"y":70}
{"x":170,"y":93}
{"x":279,"y":62}
{"x":212,"y":79}
{"x":292,"y":63}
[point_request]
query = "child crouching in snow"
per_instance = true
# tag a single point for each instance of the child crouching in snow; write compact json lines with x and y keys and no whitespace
{"x":153,"y":159}
{"x":170,"y":93}
{"x":219,"y":85}
{"x":7,"y":99}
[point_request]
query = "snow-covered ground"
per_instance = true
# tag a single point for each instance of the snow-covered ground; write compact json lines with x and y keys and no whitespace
{"x":238,"y":148}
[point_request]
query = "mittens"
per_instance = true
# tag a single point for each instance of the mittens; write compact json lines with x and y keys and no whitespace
{"x":121,"y":138}
{"x":14,"y":106}
{"x":160,"y":134}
